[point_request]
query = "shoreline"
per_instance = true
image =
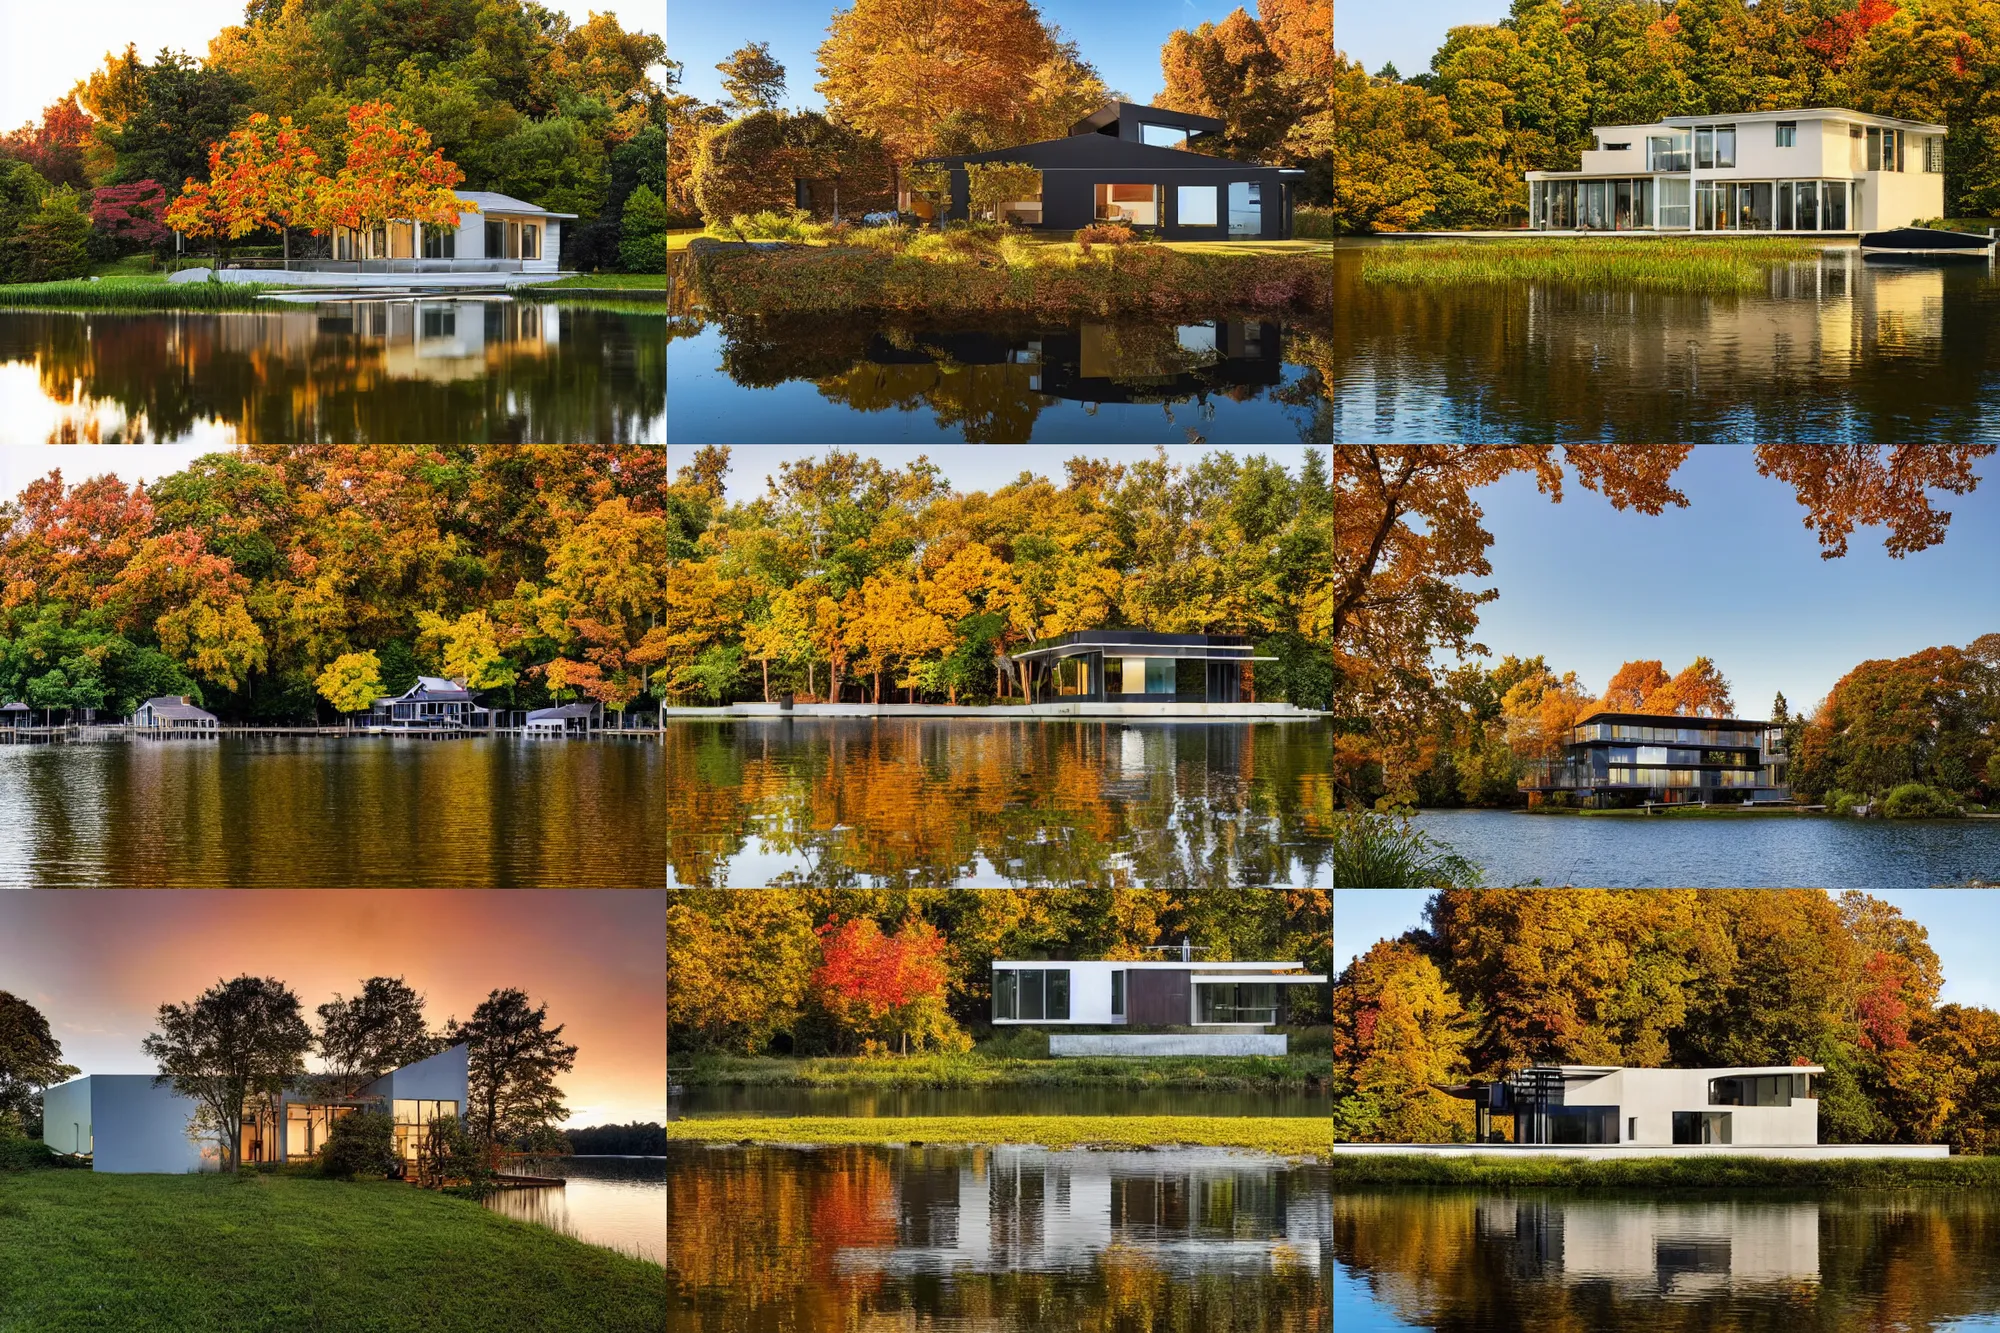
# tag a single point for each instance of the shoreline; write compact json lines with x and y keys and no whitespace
{"x":1031,"y":712}
{"x":1290,"y":1137}
{"x":1701,"y":1172}
{"x":1233,"y":1074}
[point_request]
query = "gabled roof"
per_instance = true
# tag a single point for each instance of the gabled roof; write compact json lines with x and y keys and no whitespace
{"x":431,"y":689}
{"x":177,"y":707}
{"x":562,"y":711}
{"x":15,"y":707}
{"x":1113,"y":112}
{"x":1086,"y":152}
{"x":491,"y":202}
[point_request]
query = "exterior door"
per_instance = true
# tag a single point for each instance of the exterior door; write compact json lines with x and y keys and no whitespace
{"x":1246,"y":208}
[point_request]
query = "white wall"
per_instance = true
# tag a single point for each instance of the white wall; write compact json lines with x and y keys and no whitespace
{"x":441,"y":1077}
{"x":135,"y":1127}
{"x":66,"y":1116}
{"x":1653,"y":1095}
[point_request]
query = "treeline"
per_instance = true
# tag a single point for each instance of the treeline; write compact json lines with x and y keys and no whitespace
{"x":740,"y":966}
{"x":852,"y":579}
{"x":904,"y":82}
{"x":526,"y":102}
{"x":638,"y":1139}
{"x":1685,"y":978}
{"x":532,"y":573}
{"x":1447,"y":146}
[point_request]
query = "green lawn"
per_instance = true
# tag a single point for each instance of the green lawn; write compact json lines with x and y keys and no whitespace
{"x":1290,"y":1136}
{"x":1716,"y":1172}
{"x":1290,"y":1073}
{"x":678,"y":240}
{"x":648,"y":280}
{"x":138,"y":291}
{"x":212,"y":1253}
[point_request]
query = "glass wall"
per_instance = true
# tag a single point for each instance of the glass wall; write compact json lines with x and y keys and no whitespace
{"x":1194,"y":205}
{"x":1236,"y":1002}
{"x":1626,"y":731}
{"x":1136,"y":204}
{"x":1758,"y":1090}
{"x":1031,"y":994}
{"x":1702,"y":1127}
{"x":1621,"y":776}
{"x":1674,"y":204}
{"x":1246,"y":208}
{"x":1668,"y":152}
{"x":413,"y":1119}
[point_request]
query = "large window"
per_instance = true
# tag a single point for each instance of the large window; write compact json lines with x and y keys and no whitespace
{"x":1582,"y":1124}
{"x":1808,"y":206}
{"x":440,"y":242}
{"x":1674,"y":196}
{"x":531,"y":241}
{"x":1702,"y":1127}
{"x":1885,"y":150}
{"x":1934,"y":153}
{"x":413,"y":1120}
{"x":1246,"y":208}
{"x":1667,"y":152}
{"x":1715,"y":146}
{"x":1162,"y":136}
{"x":1236,"y":1002}
{"x":1136,"y":204}
{"x":1194,"y":205}
{"x":1031,"y":995}
{"x":1758,"y":1089}
{"x":1833,"y":206}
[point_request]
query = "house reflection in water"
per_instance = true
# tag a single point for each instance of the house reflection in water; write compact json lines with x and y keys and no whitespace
{"x":442,"y":340}
{"x":1675,"y":1249}
{"x":1101,"y":362}
{"x":1023,"y":1209}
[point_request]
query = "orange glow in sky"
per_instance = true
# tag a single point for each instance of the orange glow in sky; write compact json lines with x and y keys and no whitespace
{"x":99,"y":963}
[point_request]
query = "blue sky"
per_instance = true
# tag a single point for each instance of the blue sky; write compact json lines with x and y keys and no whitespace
{"x":1734,"y":576}
{"x":1122,"y":38}
{"x":1373,"y":32}
{"x":1964,"y":926}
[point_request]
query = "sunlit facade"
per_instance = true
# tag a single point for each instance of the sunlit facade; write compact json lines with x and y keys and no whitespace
{"x":1616,"y":759}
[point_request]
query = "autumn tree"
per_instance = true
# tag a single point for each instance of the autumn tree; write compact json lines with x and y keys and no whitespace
{"x":54,"y":148}
{"x":604,"y":600}
{"x":468,"y":649}
{"x":194,"y":602}
{"x":351,"y":682}
{"x":391,"y":172}
{"x":893,"y":984}
{"x":133,"y":215}
{"x":1632,"y":685}
{"x":1399,"y":1033}
{"x":753,"y":78}
{"x":1928,"y":717}
{"x":738,"y":967}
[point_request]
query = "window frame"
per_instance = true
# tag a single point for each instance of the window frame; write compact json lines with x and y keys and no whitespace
{"x":1182,"y":195}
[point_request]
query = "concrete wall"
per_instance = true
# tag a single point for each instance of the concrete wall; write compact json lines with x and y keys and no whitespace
{"x":66,"y":1116}
{"x":1607,"y":1152}
{"x":134,"y":1126}
{"x":441,"y":1077}
{"x":1651,"y":1096}
{"x":1141,"y":1043}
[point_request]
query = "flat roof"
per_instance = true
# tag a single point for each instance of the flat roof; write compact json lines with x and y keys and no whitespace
{"x":1600,"y":1070}
{"x":1157,"y":115}
{"x":1672,"y":719}
{"x":1217,"y":647}
{"x":1177,"y":965}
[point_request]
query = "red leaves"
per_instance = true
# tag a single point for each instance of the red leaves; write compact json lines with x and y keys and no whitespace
{"x":55,"y":147}
{"x":134,"y":212}
{"x":1885,"y":1018}
{"x":1835,"y":37}
{"x":877,"y":973}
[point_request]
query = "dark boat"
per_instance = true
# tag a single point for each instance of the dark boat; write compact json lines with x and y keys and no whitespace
{"x":1927,"y":243}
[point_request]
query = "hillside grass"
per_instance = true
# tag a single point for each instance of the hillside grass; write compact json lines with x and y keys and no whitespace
{"x":1715,"y":1172}
{"x":287,"y":1254}
{"x":1288,"y":1136}
{"x":1668,"y":265}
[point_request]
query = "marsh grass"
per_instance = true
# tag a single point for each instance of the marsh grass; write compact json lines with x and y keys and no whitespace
{"x":1289,"y":1136}
{"x":136,"y":293}
{"x":1667,"y":1172}
{"x":1690,"y":267}
{"x":657,"y":281}
{"x":1379,"y":851}
{"x":1019,"y":1068}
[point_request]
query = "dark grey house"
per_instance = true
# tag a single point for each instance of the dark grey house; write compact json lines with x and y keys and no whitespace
{"x":431,"y":705}
{"x":1622,"y":759}
{"x":1138,"y":666}
{"x":173,"y":716}
{"x":1141,"y":165}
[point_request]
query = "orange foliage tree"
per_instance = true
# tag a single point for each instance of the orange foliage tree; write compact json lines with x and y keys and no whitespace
{"x":257,"y":178}
{"x":392,"y":172}
{"x":871,"y":982}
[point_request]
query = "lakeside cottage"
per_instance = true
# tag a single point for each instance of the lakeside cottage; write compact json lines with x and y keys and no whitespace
{"x":1141,"y":165}
{"x":564,"y":720}
{"x":506,"y":235}
{"x":1823,"y":169}
{"x":431,"y":706}
{"x":169,"y":716}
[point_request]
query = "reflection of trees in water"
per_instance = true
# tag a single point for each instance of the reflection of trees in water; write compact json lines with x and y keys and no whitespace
{"x":283,"y":377}
{"x":1835,"y":350}
{"x":913,"y":802}
{"x":1460,"y":1261}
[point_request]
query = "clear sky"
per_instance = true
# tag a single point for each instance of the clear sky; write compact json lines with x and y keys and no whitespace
{"x":100,"y":963}
{"x":1122,"y":38}
{"x":1734,"y":576}
{"x":51,"y":46}
{"x":1964,"y":927}
{"x":1407,"y":34}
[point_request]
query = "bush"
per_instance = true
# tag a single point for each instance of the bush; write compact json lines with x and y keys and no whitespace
{"x":1376,"y":851}
{"x":453,"y":1158}
{"x":1840,"y":802}
{"x":361,"y":1144}
{"x":960,"y":240}
{"x":19,"y":1153}
{"x":53,"y":243}
{"x":792,"y":224}
{"x":1313,"y":224}
{"x":1105,"y":233}
{"x":642,"y":235}
{"x":1917,"y":800}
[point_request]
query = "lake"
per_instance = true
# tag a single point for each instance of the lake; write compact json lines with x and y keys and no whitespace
{"x":1760,"y":851}
{"x":872,"y":1103}
{"x":617,"y":1202}
{"x":493,"y":371}
{"x":766,"y":1239}
{"x":379,"y":811}
{"x":1462,"y":1261}
{"x":1834,"y":350}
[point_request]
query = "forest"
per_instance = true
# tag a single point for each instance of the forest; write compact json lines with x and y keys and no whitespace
{"x":903,"y":81}
{"x":788,"y":971}
{"x":852,"y":579}
{"x":531,"y":573}
{"x":1498,"y":978}
{"x":524,"y":102}
{"x":1447,"y":146}
{"x":1422,"y":720}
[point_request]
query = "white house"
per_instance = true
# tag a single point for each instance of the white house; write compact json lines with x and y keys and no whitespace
{"x":1750,"y":1105}
{"x":1822,"y":169}
{"x":505,"y":235}
{"x":127,"y":1123}
{"x":1233,"y":1000}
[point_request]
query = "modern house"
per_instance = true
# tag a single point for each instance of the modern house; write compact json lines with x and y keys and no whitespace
{"x":133,"y":1123}
{"x":432,"y":705}
{"x":1614,"y":759}
{"x":1748,"y":1106}
{"x":1142,"y":165}
{"x":172,"y":717}
{"x":1227,"y":1004}
{"x":1819,"y":169}
{"x":1138,"y":666}
{"x":497,"y":234}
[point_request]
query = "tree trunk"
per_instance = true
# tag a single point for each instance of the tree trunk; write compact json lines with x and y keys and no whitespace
{"x":878,"y":687}
{"x":809,"y":678}
{"x":288,"y":248}
{"x":767,"y":679}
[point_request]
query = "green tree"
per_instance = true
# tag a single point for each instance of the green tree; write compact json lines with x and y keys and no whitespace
{"x":514,"y":1058}
{"x":378,"y":1029}
{"x":53,"y":242}
{"x":753,"y":78}
{"x":642,"y":247}
{"x":236,"y":1042}
{"x":30,"y":1060}
{"x":1398,"y":1033}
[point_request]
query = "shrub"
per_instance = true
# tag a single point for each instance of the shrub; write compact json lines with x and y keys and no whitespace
{"x":1840,"y":802}
{"x":19,"y":1153}
{"x":1917,"y":800}
{"x":642,"y":235}
{"x":360,"y":1144}
{"x":792,"y":224}
{"x":1105,"y":233}
{"x":991,"y":184}
{"x":1313,"y":224}
{"x":453,"y":1158}
{"x":53,"y":243}
{"x":1377,"y":851}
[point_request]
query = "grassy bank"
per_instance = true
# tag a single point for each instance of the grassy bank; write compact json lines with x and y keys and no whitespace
{"x":601,"y":281}
{"x":1290,"y":1136}
{"x":1291,"y":1073}
{"x":193,"y":1254}
{"x":944,"y":274}
{"x":1692,"y":267}
{"x":140,"y":292}
{"x":1666,"y":1172}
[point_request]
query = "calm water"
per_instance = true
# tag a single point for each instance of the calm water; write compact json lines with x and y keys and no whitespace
{"x":990,"y":380}
{"x":1002,"y":1239}
{"x":1460,"y":1261}
{"x":698,"y":1102}
{"x":439,"y":371}
{"x":1837,"y":349}
{"x":293,"y":813}
{"x":617,"y":1202}
{"x":1764,"y":851}
{"x":895,"y":801}
{"x":891,"y":801}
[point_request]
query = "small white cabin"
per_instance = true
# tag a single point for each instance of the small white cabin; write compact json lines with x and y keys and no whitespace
{"x":506,"y":235}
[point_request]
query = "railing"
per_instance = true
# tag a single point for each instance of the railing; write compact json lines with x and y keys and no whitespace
{"x":357,"y":265}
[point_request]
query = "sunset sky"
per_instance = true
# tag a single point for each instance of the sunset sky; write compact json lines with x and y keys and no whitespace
{"x":99,"y":963}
